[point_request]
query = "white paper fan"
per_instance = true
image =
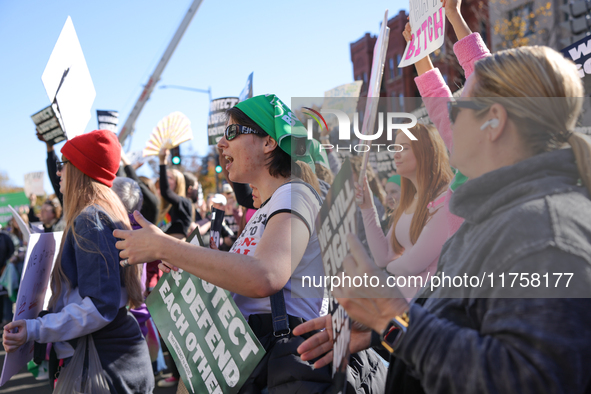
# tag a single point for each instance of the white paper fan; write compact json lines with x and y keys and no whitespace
{"x":171,"y":131}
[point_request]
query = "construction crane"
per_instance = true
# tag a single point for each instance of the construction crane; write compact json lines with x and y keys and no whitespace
{"x":155,"y":77}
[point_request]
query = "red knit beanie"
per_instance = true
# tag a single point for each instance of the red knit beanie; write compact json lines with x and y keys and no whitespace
{"x":97,"y":154}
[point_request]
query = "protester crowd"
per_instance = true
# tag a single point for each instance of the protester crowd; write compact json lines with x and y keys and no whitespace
{"x":499,"y":183}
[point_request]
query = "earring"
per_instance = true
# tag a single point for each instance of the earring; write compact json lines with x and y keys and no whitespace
{"x":494,"y":122}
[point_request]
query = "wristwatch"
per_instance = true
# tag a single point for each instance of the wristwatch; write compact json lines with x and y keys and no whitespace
{"x":395,"y":331}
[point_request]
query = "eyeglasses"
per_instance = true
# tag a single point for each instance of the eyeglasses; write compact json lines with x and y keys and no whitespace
{"x":59,"y":165}
{"x":453,"y":108}
{"x":234,"y":129}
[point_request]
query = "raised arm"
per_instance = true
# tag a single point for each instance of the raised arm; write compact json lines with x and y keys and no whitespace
{"x":165,"y":191}
{"x":378,"y":243}
{"x":430,"y":82}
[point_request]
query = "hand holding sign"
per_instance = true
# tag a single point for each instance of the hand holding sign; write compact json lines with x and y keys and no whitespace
{"x":427,"y":20}
{"x":371,"y":306}
{"x":322,"y":342}
{"x":13,"y":340}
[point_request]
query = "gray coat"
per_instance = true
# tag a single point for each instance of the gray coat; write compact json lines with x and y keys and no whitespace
{"x":531,"y":217}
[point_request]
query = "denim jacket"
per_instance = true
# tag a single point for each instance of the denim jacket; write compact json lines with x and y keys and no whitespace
{"x":511,"y":337}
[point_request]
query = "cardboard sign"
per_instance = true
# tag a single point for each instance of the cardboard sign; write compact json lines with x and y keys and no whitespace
{"x":211,"y":343}
{"x":383,"y":164}
{"x":375,"y":82}
{"x":427,"y":22}
{"x":33,"y":294}
{"x":48,"y":125}
{"x":335,"y":220}
{"x":34,"y":183}
{"x":17,"y":200}
{"x":247,"y":91}
{"x":107,"y":120}
{"x":216,"y":123}
{"x":68,"y":83}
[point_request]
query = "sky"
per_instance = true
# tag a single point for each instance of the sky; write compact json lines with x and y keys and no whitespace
{"x":295,"y":49}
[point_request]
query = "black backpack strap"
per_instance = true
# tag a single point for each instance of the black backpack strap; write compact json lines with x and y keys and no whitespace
{"x":279,"y":313}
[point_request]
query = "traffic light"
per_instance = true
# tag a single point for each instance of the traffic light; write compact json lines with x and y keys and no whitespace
{"x":175,"y":154}
{"x":218,"y":167}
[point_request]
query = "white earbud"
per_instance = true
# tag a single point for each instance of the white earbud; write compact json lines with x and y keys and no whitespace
{"x":494,"y":122}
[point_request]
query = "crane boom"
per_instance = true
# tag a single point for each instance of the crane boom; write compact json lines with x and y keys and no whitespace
{"x":155,"y":77}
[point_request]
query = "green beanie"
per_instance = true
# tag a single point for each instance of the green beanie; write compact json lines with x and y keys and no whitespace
{"x":277,"y":120}
{"x":394,"y":179}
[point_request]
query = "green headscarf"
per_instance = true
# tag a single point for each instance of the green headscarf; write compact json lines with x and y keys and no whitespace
{"x":277,"y":120}
{"x":394,"y":179}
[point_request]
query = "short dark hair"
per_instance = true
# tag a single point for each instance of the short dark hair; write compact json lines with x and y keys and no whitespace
{"x":279,"y":162}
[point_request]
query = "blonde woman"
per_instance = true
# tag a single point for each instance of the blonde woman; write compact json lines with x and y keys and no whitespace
{"x":91,"y":291}
{"x":526,"y":210}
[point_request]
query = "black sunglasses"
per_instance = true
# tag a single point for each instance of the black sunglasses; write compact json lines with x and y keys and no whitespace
{"x":453,"y":108}
{"x":234,"y":129}
{"x":59,"y":165}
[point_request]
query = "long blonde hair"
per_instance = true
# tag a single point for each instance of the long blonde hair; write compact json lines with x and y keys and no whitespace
{"x":433,"y":176}
{"x":543,"y":95}
{"x":81,"y":192}
{"x":179,"y":190}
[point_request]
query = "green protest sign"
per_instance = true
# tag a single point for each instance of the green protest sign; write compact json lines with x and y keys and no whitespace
{"x":211,"y":343}
{"x":17,"y":200}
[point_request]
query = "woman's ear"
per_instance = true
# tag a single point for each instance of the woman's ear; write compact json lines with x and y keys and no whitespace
{"x":498,"y":121}
{"x":270,"y":144}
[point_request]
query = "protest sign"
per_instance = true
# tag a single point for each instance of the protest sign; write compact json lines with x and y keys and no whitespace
{"x":335,"y":220}
{"x":33,"y":294}
{"x":339,"y":98}
{"x":25,"y":231}
{"x":48,"y":125}
{"x":217,"y":219}
{"x":34,"y":183}
{"x":375,"y":83}
{"x":216,"y":122}
{"x":68,"y":83}
{"x":247,"y":91}
{"x":383,"y":164}
{"x":107,"y":120}
{"x":427,"y":22}
{"x":211,"y":343}
{"x":17,"y":200}
{"x":580,"y":53}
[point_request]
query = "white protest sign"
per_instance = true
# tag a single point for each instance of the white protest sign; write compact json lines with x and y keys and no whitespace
{"x":67,"y":81}
{"x":427,"y":22}
{"x":21,"y":224}
{"x":375,"y":83}
{"x":34,"y":183}
{"x":33,"y":294}
{"x":341,"y":98}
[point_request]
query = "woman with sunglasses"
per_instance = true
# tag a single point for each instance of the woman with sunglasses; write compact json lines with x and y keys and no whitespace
{"x":279,"y":244}
{"x":91,"y":291}
{"x":526,"y":210}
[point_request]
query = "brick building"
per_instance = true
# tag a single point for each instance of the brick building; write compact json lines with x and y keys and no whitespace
{"x":398,"y":84}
